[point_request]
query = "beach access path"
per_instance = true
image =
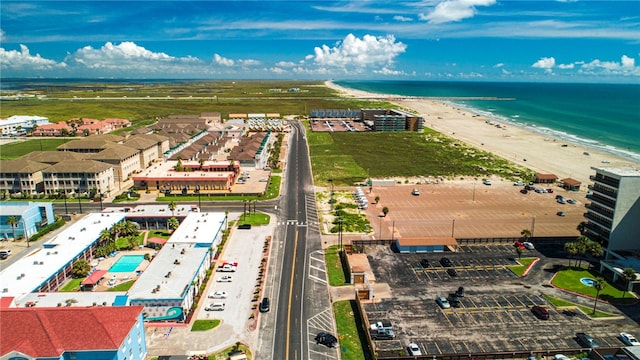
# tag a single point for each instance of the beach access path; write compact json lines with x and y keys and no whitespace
{"x":516,"y":144}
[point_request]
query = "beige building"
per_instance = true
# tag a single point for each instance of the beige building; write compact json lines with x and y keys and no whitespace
{"x":148,"y":150}
{"x":206,"y":178}
{"x":20,"y":175}
{"x":79,"y":176}
{"x":125,"y":160}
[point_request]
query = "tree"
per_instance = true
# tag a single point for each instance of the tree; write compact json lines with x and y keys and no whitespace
{"x":377,"y":198}
{"x":526,"y":234}
{"x":581,"y":227}
{"x":385,"y":211}
{"x":519,"y":251}
{"x":13,"y":222}
{"x":81,"y":268}
{"x":178,"y":166}
{"x":201,"y":162}
{"x":594,"y":249}
{"x":172,"y":207}
{"x":628,"y":274}
{"x":582,"y":243}
{"x":173,"y":224}
{"x":105,"y":237}
{"x":598,"y":284}
{"x":571,"y":249}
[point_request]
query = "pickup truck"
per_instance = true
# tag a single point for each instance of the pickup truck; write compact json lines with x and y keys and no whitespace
{"x":382,"y":334}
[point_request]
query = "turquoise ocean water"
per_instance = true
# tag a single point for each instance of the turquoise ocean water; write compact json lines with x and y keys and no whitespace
{"x":600,"y":116}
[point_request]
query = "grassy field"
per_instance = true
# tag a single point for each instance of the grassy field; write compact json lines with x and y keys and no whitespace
{"x":348,"y":336}
{"x":122,"y":287}
{"x":204,"y":325}
{"x":560,"y":303}
{"x":569,"y":279}
{"x":520,"y":269}
{"x":72,"y":285}
{"x":334,"y":267}
{"x":19,"y":148}
{"x":349,"y":158}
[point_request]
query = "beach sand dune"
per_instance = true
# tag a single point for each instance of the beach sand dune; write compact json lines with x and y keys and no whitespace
{"x":519,"y":145}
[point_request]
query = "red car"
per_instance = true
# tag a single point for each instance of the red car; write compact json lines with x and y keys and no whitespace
{"x":550,"y":191}
{"x":540,"y":312}
{"x":518,"y":244}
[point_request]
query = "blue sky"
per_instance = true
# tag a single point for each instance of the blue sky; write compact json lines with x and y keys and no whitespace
{"x":487,"y":40}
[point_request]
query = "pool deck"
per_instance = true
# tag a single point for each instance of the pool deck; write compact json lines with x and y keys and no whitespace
{"x":121,"y":277}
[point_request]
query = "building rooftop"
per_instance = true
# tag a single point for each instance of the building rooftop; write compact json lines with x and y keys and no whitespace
{"x":18,"y":208}
{"x":46,"y":333}
{"x":78,"y":166}
{"x":35,"y":268}
{"x":165,"y":171}
{"x":21,"y":166}
{"x":52,"y":157}
{"x":619,"y":171}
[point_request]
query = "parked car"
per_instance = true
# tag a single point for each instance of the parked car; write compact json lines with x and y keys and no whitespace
{"x":215,"y":307}
{"x":550,"y":191}
{"x":486,"y":182}
{"x":226,"y":278}
{"x":586,"y":340}
{"x":326,"y":339}
{"x":540,"y":312}
{"x":452,"y":272}
{"x":454,"y":301}
{"x":218,"y":295}
{"x":415,"y":192}
{"x":443,"y":302}
{"x":414,"y":350}
{"x":460,"y":292}
{"x":446,"y":262}
{"x":264,"y":305}
{"x":244,"y":226}
{"x":518,"y":244}
{"x":527,"y":245}
{"x":524,"y":191}
{"x":560,"y":213}
{"x":561,"y":201}
{"x":424,"y":263}
{"x":518,"y":183}
{"x":571,"y":201}
{"x":629,"y":339}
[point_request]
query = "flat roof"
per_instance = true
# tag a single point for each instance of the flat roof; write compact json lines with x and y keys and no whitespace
{"x":78,"y":298}
{"x":35,"y":268}
{"x":18,"y":208}
{"x":427,"y":241}
{"x":200,"y":228}
{"x":620,"y":171}
{"x":165,"y":172}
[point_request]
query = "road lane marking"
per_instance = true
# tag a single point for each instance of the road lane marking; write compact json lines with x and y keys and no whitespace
{"x":293,"y":271}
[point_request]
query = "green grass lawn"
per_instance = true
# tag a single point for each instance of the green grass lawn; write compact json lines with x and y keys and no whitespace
{"x":123,"y":287}
{"x":334,"y":267}
{"x":72,"y":285}
{"x":524,"y":264}
{"x":159,"y":234}
{"x":19,"y":148}
{"x":348,"y":336}
{"x":256,"y":219}
{"x":560,"y":303}
{"x":569,"y":279}
{"x":204,"y":325}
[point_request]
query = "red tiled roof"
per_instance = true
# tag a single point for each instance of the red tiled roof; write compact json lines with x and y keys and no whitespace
{"x":94,"y":277}
{"x":48,"y":332}
{"x":546,"y":176}
{"x":571,"y":182}
{"x":157,"y":240}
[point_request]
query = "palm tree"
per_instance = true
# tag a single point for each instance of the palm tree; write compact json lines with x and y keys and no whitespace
{"x":582,"y":243}
{"x":594,"y":249}
{"x":526,"y":234}
{"x":385,"y":211}
{"x":377,"y":199}
{"x":13,"y":222}
{"x":571,"y":249}
{"x":172,"y":207}
{"x":598,"y":284}
{"x":173,"y":224}
{"x":628,"y":274}
{"x":105,"y":237}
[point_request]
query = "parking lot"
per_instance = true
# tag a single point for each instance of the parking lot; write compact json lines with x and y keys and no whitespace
{"x":494,"y":314}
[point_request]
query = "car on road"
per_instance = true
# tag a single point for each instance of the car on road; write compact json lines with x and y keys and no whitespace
{"x":414,"y":350}
{"x":460,"y":292}
{"x":446,"y":262}
{"x":486,"y":182}
{"x":540,"y":312}
{"x":215,"y":307}
{"x":586,"y":340}
{"x":527,"y":245}
{"x":452,"y":272}
{"x":264,"y":305}
{"x":415,"y":192}
{"x":326,"y":339}
{"x":571,"y":201}
{"x":424,"y":263}
{"x":226,"y":278}
{"x":629,"y":339}
{"x":218,"y":295}
{"x":443,"y":302}
{"x":560,"y":213}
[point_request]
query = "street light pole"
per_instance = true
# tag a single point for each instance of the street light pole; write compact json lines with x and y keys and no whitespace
{"x":79,"y":203}
{"x":380,"y":226}
{"x":65,"y":202}
{"x":100,"y":195}
{"x":453,"y":227}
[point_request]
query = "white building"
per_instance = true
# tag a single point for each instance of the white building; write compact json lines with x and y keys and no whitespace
{"x":19,"y":124}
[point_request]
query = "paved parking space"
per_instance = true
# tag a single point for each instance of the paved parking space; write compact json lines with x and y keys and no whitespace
{"x":494,"y":315}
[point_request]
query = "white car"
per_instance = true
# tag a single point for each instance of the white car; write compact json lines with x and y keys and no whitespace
{"x":414,"y":350}
{"x":629,"y":339}
{"x":527,"y":245}
{"x":486,"y":182}
{"x":415,"y":192}
{"x":443,"y":302}
{"x":218,"y":295}
{"x":561,"y":357}
{"x":518,"y":183}
{"x":215,"y":307}
{"x":226,"y":278}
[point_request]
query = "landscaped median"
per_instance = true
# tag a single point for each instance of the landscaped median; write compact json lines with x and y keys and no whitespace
{"x":525,"y":265}
{"x":564,"y":305}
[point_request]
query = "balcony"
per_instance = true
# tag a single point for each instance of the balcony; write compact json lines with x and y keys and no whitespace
{"x":603,"y":201}
{"x":598,"y":220}
{"x":600,"y":211}
{"x":605,"y":180}
{"x":604,"y":191}
{"x":599,"y":231}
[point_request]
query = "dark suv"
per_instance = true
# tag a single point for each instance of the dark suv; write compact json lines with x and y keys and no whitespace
{"x":424,"y":263}
{"x":446,"y":262}
{"x":540,"y":312}
{"x":460,"y":292}
{"x":586,"y":340}
{"x":264,"y":305}
{"x":326,"y":339}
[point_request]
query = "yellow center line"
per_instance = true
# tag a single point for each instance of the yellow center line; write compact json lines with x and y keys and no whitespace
{"x":293,"y":271}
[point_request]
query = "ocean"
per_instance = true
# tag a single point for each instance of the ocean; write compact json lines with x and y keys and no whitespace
{"x":605,"y":117}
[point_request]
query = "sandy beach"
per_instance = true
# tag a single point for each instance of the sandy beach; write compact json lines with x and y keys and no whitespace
{"x":519,"y":145}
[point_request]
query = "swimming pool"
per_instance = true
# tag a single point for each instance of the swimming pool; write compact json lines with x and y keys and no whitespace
{"x":127,"y":263}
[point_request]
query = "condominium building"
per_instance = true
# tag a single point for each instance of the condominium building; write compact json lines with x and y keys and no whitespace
{"x":613,"y":213}
{"x":19,"y":124}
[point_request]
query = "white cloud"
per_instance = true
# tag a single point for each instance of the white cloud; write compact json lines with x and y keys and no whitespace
{"x":454,"y":10}
{"x":546,"y":64}
{"x":356,"y":53}
{"x":566,"y":66}
{"x":498,"y":65}
{"x":626,"y":66}
{"x":387,"y":71}
{"x":285,"y":64}
{"x":249,"y":62}
{"x":402,"y":18}
{"x":23,"y":60}
{"x":222,"y":60}
{"x":277,"y":70}
{"x":628,"y":61}
{"x":3,"y":37}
